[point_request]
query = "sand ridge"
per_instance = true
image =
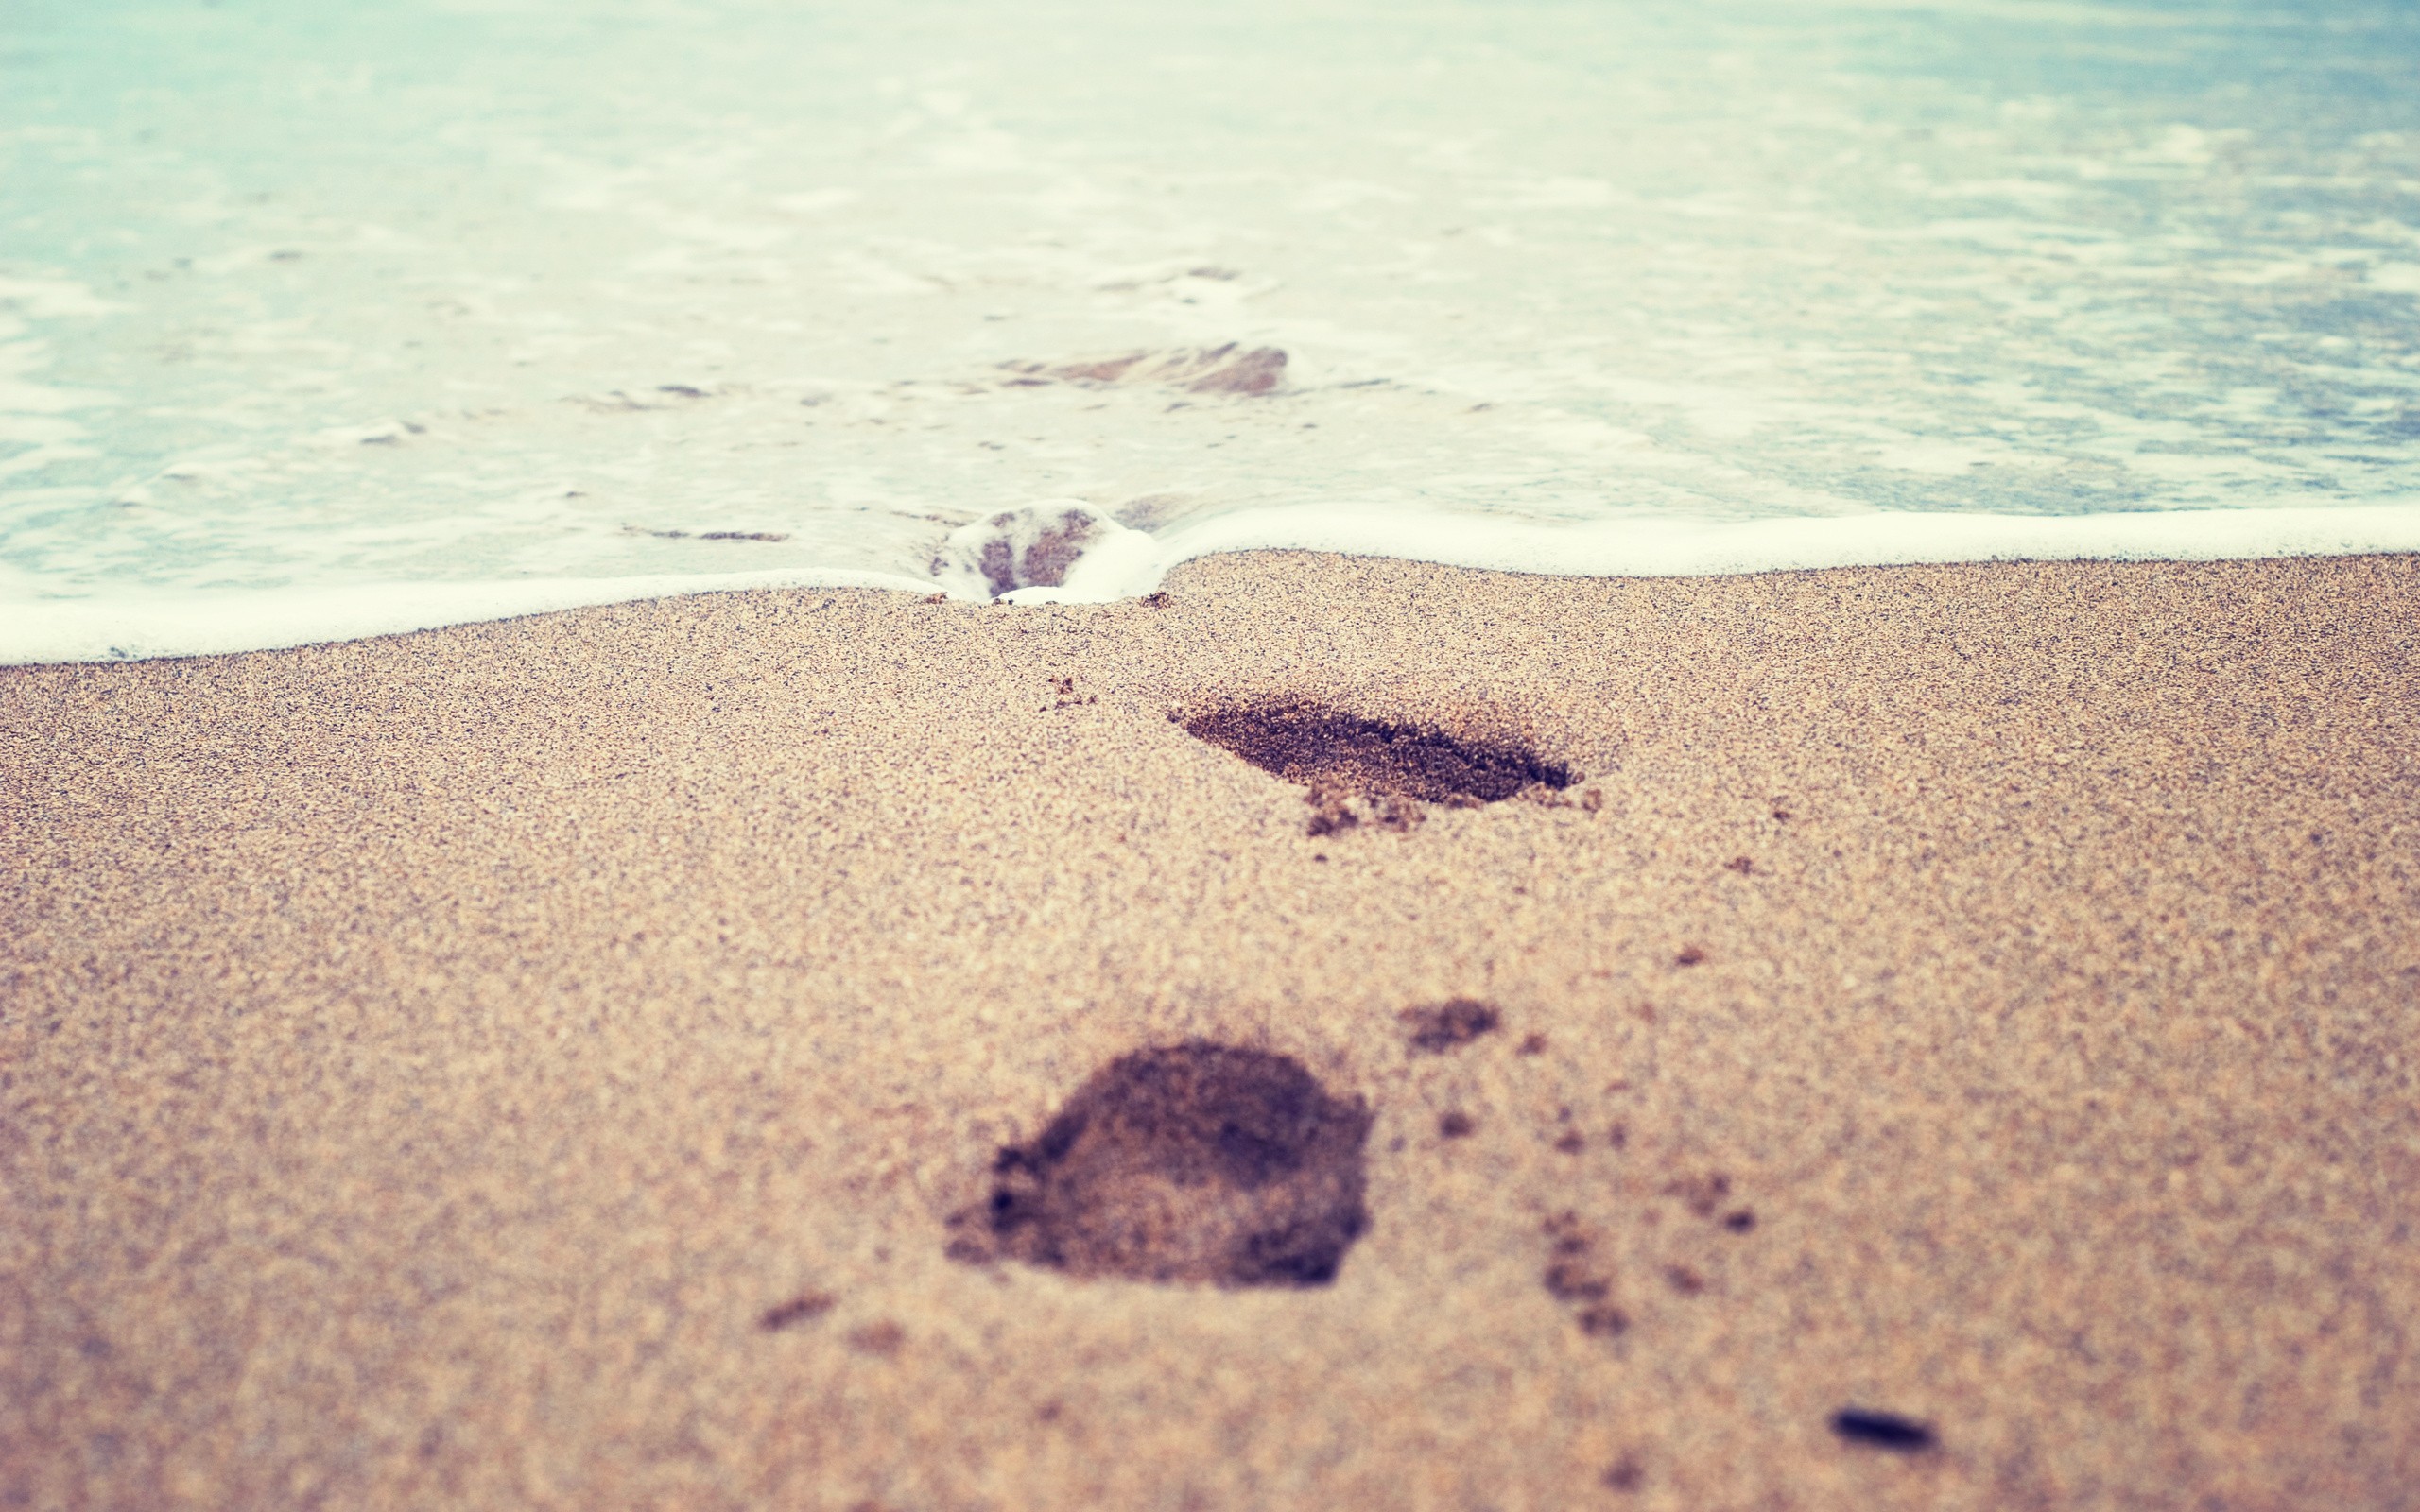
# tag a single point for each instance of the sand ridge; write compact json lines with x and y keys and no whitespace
{"x":537,"y":1063}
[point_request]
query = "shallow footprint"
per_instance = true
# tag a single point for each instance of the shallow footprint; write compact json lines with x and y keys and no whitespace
{"x":1340,"y":755}
{"x":1195,"y":1162}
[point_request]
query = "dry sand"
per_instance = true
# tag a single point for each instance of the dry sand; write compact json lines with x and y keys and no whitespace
{"x":538,"y":1063}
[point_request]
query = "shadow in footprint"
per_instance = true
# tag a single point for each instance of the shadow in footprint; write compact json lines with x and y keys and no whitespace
{"x":1189,"y":1163}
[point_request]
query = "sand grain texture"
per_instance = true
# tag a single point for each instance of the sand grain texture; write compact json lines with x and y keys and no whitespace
{"x":536,"y":1063}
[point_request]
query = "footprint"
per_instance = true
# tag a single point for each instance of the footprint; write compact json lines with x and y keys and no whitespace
{"x":1196,"y":1163}
{"x":1362,"y":770}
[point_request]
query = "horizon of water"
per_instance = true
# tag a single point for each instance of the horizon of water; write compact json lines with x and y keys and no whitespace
{"x":326,"y":322}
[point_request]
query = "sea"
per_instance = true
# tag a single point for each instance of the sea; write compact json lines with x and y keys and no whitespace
{"x":321,"y":321}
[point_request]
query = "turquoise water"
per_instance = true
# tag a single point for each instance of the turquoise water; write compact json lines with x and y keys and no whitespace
{"x":460,"y":306}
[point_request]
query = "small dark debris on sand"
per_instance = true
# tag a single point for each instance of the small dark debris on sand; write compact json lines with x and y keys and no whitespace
{"x":1064,"y":696}
{"x":1575,"y":1278}
{"x":797,"y":1310}
{"x":1449,"y":1026}
{"x":1195,"y":1162}
{"x":1701,"y":1194}
{"x":1335,"y":810}
{"x":1883,"y":1430}
{"x":881,"y":1339}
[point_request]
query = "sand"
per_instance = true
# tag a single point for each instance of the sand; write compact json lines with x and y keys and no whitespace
{"x":540,"y":1063}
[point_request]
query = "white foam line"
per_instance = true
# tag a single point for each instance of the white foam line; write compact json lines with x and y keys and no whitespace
{"x":1673,"y":548}
{"x":36,"y":631}
{"x":204,"y":624}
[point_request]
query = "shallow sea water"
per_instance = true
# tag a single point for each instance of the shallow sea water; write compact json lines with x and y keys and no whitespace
{"x":318,"y":320}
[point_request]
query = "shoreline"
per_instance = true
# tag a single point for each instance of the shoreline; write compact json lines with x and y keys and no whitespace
{"x":1132,"y":564}
{"x":434,"y":1062}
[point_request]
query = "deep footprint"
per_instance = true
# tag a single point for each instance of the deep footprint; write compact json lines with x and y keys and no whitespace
{"x":1323,"y":747}
{"x":1191,"y":1163}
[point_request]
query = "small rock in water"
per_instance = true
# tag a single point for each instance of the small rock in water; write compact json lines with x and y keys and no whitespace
{"x":1034,"y":547}
{"x":1222,"y":370}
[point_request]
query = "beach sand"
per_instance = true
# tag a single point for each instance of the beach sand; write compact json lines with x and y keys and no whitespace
{"x":550,"y":1064}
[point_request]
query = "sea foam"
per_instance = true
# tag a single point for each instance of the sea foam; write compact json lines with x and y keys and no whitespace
{"x":740,"y":292}
{"x":1118,"y":563}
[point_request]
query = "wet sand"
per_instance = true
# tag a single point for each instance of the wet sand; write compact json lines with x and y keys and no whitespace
{"x":545,"y":1063}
